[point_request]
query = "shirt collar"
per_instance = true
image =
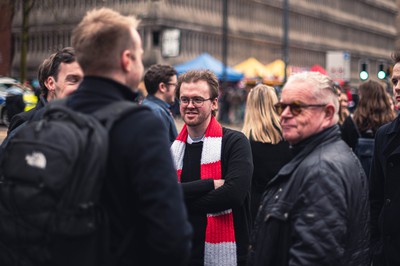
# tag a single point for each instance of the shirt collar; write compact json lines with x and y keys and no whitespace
{"x":194,"y":140}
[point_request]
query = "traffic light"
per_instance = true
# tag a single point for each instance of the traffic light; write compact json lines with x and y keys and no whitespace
{"x":364,"y":71}
{"x":381,"y":70}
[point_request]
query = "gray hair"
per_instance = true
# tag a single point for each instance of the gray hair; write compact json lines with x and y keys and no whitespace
{"x":322,"y":88}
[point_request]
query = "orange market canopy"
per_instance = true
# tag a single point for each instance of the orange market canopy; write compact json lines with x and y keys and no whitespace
{"x":252,"y":69}
{"x":275,"y":71}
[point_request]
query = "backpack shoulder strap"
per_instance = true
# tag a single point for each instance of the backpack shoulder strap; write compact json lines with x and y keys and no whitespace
{"x":109,"y":114}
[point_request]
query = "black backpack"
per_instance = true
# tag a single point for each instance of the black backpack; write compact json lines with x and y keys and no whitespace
{"x":364,"y":150}
{"x":51,"y":175}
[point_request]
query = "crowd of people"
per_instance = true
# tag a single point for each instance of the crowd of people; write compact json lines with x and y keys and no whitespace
{"x":288,"y":189}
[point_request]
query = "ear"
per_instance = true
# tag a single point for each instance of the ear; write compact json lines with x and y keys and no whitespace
{"x":50,"y":84}
{"x":214,"y":104}
{"x":329,"y":116}
{"x":126,"y":60}
{"x":162,"y":87}
{"x":330,"y":111}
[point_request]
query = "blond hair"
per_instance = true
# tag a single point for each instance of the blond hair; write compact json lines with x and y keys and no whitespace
{"x":261,"y":122}
{"x":101,"y":37}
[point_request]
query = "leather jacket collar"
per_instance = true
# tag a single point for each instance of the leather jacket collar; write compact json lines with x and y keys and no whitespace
{"x":305,"y":147}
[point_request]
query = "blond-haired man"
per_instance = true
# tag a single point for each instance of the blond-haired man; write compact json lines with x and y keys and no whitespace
{"x":148,"y":221}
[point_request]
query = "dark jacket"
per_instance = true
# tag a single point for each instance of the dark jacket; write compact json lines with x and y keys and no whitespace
{"x":315,"y":211}
{"x":268,"y":159}
{"x":19,"y":120}
{"x":161,"y":109}
{"x":14,"y":105}
{"x":141,"y":195}
{"x":201,"y":197}
{"x":385,"y":196}
{"x":350,"y":134}
{"x":22,"y":117}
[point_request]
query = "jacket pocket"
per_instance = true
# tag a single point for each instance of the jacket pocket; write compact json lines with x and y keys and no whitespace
{"x":272,"y":236}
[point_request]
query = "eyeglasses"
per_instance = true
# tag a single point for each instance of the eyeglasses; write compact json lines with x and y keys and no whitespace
{"x":196,"y":101}
{"x":171,"y":84}
{"x":295,"y":107}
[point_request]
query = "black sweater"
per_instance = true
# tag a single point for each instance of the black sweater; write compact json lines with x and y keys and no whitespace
{"x":201,"y":197}
{"x":268,"y":159}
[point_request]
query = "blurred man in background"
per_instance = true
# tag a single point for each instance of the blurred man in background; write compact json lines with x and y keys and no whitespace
{"x":58,"y":75}
{"x":161,"y":81}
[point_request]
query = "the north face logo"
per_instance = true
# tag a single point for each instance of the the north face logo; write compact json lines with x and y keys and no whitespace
{"x":36,"y":159}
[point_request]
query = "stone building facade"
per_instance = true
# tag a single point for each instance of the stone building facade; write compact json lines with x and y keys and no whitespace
{"x":364,"y":28}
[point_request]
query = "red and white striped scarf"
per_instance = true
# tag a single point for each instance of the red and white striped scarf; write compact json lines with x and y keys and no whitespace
{"x":220,"y":243}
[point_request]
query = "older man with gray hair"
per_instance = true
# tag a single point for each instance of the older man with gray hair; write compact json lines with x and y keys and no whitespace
{"x":315,"y":210}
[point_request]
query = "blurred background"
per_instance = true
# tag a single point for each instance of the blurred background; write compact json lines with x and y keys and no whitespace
{"x":245,"y":42}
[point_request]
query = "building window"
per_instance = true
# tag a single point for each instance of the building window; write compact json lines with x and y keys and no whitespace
{"x":156,"y":38}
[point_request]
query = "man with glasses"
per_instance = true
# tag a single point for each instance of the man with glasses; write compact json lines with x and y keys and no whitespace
{"x":214,"y":167}
{"x":160,"y":82}
{"x":315,"y":210}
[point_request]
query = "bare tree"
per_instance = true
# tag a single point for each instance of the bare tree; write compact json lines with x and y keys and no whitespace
{"x":27,"y":6}
{"x":7,"y":8}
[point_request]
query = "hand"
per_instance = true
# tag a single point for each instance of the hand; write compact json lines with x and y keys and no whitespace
{"x":218,"y":183}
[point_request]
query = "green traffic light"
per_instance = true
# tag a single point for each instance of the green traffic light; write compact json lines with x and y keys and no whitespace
{"x":364,"y":75}
{"x":381,"y":74}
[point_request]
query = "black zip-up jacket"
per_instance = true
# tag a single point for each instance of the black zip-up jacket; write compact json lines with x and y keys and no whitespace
{"x":141,"y":193}
{"x":315,"y":210}
{"x":385,"y":196}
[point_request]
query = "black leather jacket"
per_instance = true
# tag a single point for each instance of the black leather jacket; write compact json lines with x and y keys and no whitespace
{"x":315,"y":211}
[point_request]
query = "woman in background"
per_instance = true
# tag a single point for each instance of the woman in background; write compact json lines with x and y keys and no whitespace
{"x":262,"y":128}
{"x":372,"y":112}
